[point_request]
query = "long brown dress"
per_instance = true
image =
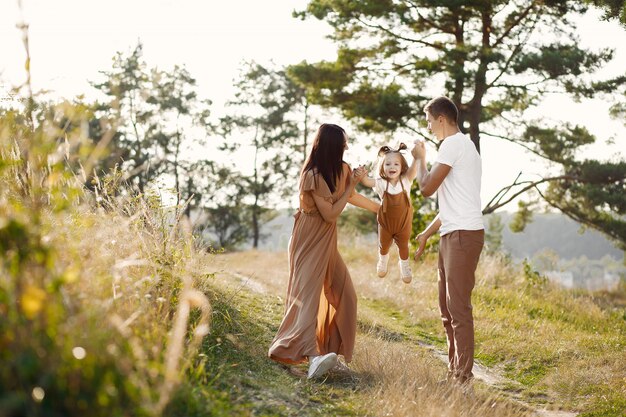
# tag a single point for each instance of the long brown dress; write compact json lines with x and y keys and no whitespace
{"x":320,"y":310}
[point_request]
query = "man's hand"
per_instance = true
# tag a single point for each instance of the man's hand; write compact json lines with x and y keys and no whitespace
{"x":419,"y":150}
{"x":421,"y":245}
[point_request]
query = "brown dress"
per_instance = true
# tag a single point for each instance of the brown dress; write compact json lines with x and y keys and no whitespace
{"x":320,"y":310}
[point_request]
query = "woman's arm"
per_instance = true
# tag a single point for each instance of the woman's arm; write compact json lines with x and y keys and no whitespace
{"x":430,"y":230}
{"x":360,"y":200}
{"x":331,"y":211}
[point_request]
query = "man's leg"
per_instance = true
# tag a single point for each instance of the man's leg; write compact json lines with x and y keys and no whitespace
{"x":443,"y":305}
{"x":460,"y":261}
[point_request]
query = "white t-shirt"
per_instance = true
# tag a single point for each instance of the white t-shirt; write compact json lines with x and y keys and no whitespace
{"x":459,"y":194}
{"x":381,"y":186}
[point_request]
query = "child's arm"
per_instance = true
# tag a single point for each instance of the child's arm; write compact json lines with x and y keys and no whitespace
{"x":360,"y":200}
{"x":430,"y":230}
{"x":411,"y":173}
{"x":369,"y":181}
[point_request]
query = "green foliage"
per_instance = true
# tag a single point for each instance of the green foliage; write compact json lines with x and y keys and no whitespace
{"x":264,"y":118}
{"x":532,"y":277}
{"x":522,"y":217}
{"x":595,"y":197}
{"x":489,"y":58}
{"x":360,"y":221}
{"x":153,"y":110}
{"x":424,"y":212}
{"x":560,"y":61}
{"x":558,"y":144}
{"x":84,"y":332}
{"x":613,"y":9}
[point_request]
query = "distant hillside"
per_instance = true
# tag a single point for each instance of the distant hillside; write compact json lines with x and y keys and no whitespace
{"x":559,"y":233}
{"x":553,"y":231}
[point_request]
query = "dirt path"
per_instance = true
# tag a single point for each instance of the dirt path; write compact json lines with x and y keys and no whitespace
{"x":488,"y":376}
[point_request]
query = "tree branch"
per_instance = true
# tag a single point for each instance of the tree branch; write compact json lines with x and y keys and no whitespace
{"x":430,"y":22}
{"x":516,"y":50}
{"x":426,"y":138}
{"x":531,"y":184}
{"x":395,"y":35}
{"x":517,"y":21}
{"x":580,"y":219}
{"x":517,"y":142}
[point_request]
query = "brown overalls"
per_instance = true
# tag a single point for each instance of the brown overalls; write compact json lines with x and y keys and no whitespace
{"x":395,"y":218}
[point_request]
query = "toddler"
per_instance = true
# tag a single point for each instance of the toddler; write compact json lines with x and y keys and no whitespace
{"x":395,"y":216}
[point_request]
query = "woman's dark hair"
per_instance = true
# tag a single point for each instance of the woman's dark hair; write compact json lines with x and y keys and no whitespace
{"x":327,"y":154}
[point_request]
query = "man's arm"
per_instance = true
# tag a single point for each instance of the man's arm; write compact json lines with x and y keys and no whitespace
{"x":411,"y":173}
{"x":430,"y":230}
{"x":430,"y":181}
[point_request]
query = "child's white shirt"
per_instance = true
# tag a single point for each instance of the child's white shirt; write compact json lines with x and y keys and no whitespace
{"x":381,"y":186}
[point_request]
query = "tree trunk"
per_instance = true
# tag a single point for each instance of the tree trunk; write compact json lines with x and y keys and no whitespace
{"x":255,"y":207}
{"x":306,"y":128}
{"x":138,"y":163}
{"x":475,"y":106}
{"x":459,"y":76}
{"x":189,"y":192}
{"x":176,"y":176}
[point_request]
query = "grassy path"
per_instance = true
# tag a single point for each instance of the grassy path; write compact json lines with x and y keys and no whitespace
{"x":398,"y":357}
{"x":382,"y":322}
{"x":386,"y":340}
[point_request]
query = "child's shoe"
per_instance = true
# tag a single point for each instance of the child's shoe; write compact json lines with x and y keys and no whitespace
{"x":381,"y":266}
{"x":405,"y":270}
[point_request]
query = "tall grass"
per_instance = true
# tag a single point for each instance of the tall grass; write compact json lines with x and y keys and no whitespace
{"x":98,"y":310}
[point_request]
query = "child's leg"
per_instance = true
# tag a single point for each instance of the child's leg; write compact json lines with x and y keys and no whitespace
{"x":402,"y":241}
{"x":384,"y":240}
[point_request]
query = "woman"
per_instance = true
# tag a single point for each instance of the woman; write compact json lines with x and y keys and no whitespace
{"x":320,"y":310}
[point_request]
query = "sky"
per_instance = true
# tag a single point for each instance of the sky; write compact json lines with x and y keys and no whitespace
{"x":72,"y":40}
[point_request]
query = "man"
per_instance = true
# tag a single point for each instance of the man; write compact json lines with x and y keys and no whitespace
{"x":455,"y":176}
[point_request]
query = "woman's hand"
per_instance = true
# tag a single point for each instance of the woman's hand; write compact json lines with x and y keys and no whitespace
{"x":421,"y":245}
{"x":357,"y":175}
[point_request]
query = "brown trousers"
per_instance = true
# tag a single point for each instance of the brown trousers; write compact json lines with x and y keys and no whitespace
{"x":459,"y":252}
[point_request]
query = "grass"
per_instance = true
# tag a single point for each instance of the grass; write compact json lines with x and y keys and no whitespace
{"x":110,"y":309}
{"x":560,"y":349}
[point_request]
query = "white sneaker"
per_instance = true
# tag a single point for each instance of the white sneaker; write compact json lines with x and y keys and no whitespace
{"x":319,"y":365}
{"x":381,"y":266}
{"x":405,"y":270}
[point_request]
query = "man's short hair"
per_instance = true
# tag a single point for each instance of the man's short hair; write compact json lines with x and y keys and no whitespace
{"x":443,"y":106}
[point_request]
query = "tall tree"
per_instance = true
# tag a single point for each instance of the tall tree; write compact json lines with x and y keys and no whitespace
{"x":223,"y":215}
{"x":180,"y":110}
{"x":264,"y":119}
{"x":495,"y":59}
{"x":128,"y":88}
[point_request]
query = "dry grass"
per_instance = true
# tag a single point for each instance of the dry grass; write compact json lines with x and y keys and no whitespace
{"x":138,"y":278}
{"x":560,"y":349}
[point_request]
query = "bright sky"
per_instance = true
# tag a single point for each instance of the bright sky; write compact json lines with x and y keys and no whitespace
{"x":71,"y":40}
